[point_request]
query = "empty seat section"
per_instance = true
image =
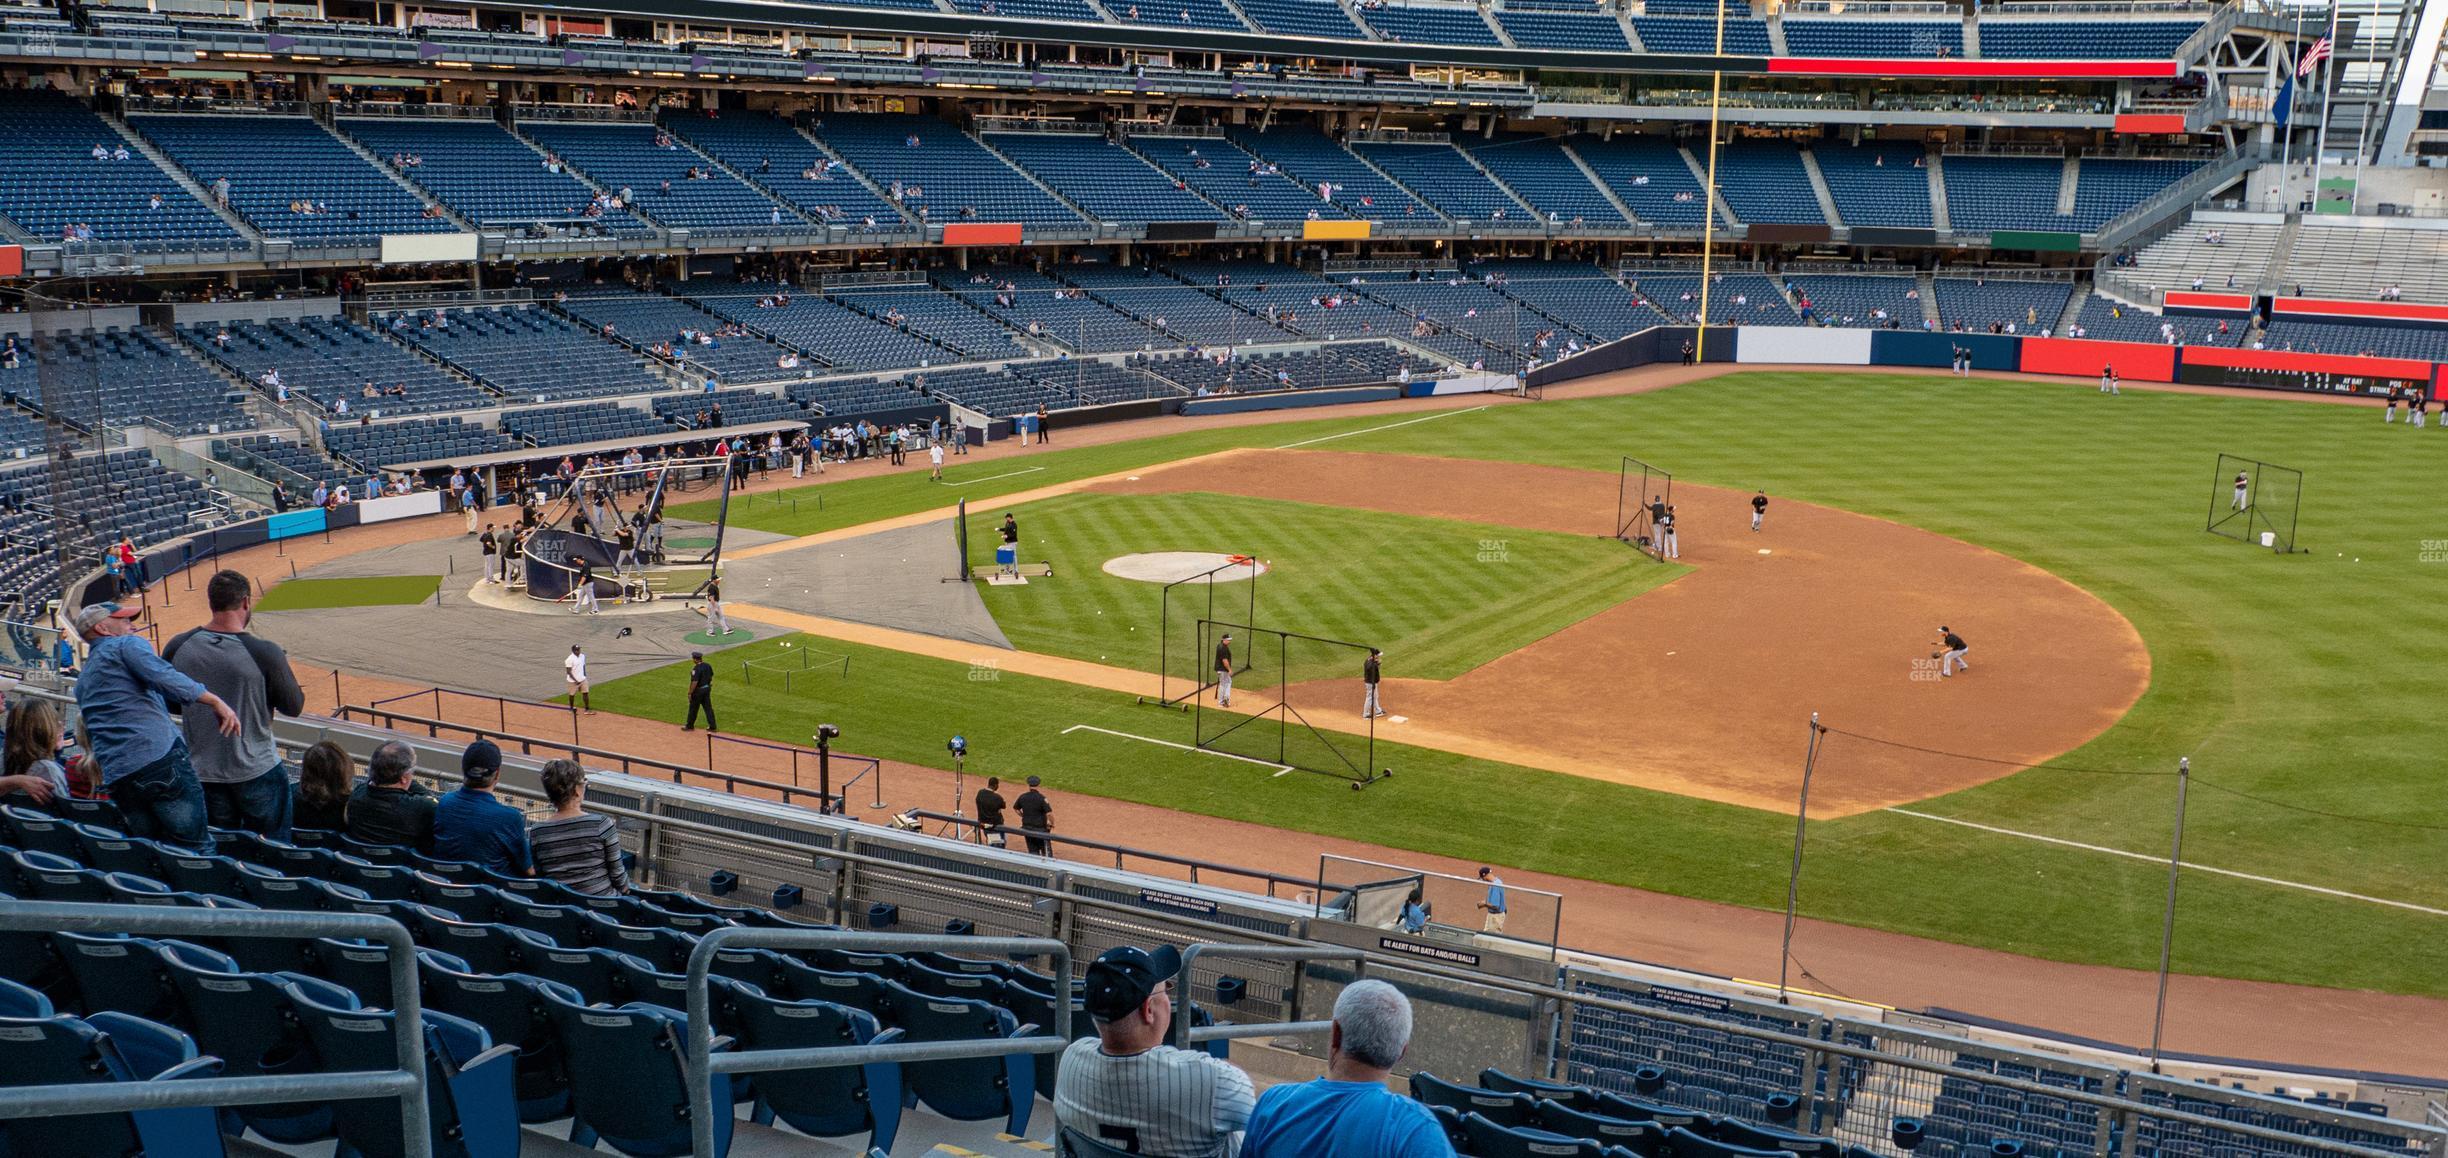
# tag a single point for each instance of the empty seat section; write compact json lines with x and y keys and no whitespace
{"x":1539,"y":171}
{"x":1989,"y":193}
{"x":2030,"y":306}
{"x":1584,"y":297}
{"x":483,"y":173}
{"x":833,"y":332}
{"x":289,"y":177}
{"x":1302,"y":18}
{"x":668,"y":181}
{"x":850,"y":397}
{"x":1746,"y":298}
{"x":1249,"y":189}
{"x":774,"y":157}
{"x":530,"y":354}
{"x":1743,"y":36}
{"x":1048,"y":310}
{"x":1649,"y":175}
{"x":2426,"y":345}
{"x":737,"y":407}
{"x":2106,"y":187}
{"x":50,"y":180}
{"x":1857,"y":300}
{"x":1892,"y":39}
{"x":648,"y":320}
{"x":1763,"y":181}
{"x":1311,"y":158}
{"x":1429,"y":24}
{"x":1070,"y":11}
{"x":941,"y":172}
{"x":122,"y":377}
{"x":1179,"y":14}
{"x":1190,"y":313}
{"x":1584,"y":32}
{"x":1881,"y":183}
{"x":1444,"y":178}
{"x":2083,"y":39}
{"x":585,"y":422}
{"x":376,"y":445}
{"x":1095,"y":174}
{"x":941,"y":317}
{"x":331,"y":359}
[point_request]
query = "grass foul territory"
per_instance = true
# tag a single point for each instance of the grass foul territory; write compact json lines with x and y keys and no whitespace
{"x":381,"y":591}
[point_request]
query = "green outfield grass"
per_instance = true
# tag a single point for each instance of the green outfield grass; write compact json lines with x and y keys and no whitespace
{"x":2305,"y":688}
{"x":1425,"y":590}
{"x":379,"y":591}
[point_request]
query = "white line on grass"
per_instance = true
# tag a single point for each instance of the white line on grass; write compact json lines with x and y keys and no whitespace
{"x":1280,"y":769}
{"x":945,"y":482}
{"x":2242,"y":876}
{"x":1375,"y":429}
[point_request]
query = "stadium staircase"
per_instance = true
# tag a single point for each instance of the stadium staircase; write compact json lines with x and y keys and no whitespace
{"x":179,"y":174}
{"x":724,"y":167}
{"x":865,"y":182}
{"x":1034,"y":179}
{"x":1717,"y":201}
{"x":1928,"y":285}
{"x":2067,"y":183}
{"x":1425,"y":205}
{"x":1352,"y":11}
{"x":1497,"y":26}
{"x":1631,"y":34}
{"x":1509,"y":190}
{"x":573,"y":173}
{"x":323,"y":117}
{"x":1819,"y":189}
{"x":1776,"y":34}
{"x":1238,"y":14}
{"x":1599,"y":183}
{"x":1939,"y":219}
{"x":2282,"y":254}
{"x":1971,"y":34}
{"x":2073,"y":309}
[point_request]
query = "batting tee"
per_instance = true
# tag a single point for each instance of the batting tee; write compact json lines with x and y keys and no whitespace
{"x":1284,"y":685}
{"x":1637,"y":484}
{"x":2266,"y":511}
{"x":1183,"y":668}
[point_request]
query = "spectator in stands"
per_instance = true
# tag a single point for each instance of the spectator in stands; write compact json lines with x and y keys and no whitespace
{"x":391,"y":808}
{"x":575,"y":847}
{"x":470,"y":825}
{"x":246,"y":783}
{"x":125,"y":695}
{"x":32,"y":752}
{"x":326,"y":775}
{"x":1350,"y":1110}
{"x":1126,"y":1087}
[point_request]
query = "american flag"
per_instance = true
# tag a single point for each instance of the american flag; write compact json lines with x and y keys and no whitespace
{"x":2312,"y":57}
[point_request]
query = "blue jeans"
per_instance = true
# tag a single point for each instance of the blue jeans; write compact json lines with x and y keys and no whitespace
{"x":260,"y":805}
{"x":163,"y":801}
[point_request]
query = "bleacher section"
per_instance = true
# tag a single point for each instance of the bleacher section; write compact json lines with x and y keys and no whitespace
{"x":124,"y":378}
{"x":1189,"y":313}
{"x":833,"y":332}
{"x":2111,"y":321}
{"x":2236,"y":263}
{"x":1648,"y":175}
{"x":2108,"y":186}
{"x":2429,"y":345}
{"x":1747,"y":299}
{"x":776,"y":159}
{"x":1855,"y":300}
{"x":1763,"y":181}
{"x":1445,"y":179}
{"x":1220,"y":171}
{"x":1302,"y":18}
{"x":627,"y":156}
{"x":1090,"y":383}
{"x":2029,"y":306}
{"x":995,"y":391}
{"x":24,"y":436}
{"x":50,"y":180}
{"x":585,"y":422}
{"x":529,"y":354}
{"x":737,"y":407}
{"x":291,"y":178}
{"x":642,"y":319}
{"x":1097,"y":175}
{"x":1539,"y":171}
{"x":372,"y":446}
{"x":2359,"y":262}
{"x":1889,"y":39}
{"x":483,"y":173}
{"x":276,"y":459}
{"x":949,"y":169}
{"x":1876,"y":183}
{"x":1583,"y":32}
{"x":1179,"y":14}
{"x":1429,"y":24}
{"x":2059,"y":39}
{"x":940,"y":317}
{"x":1988,"y":193}
{"x":333,"y":359}
{"x":1347,"y":364}
{"x":1744,"y":36}
{"x":851,"y":397}
{"x":1311,"y":157}
{"x":1047,"y":310}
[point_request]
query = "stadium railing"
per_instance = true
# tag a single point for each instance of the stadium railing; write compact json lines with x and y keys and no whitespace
{"x":407,"y":1083}
{"x":1122,"y":854}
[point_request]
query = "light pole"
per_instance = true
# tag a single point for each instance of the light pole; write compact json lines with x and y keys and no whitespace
{"x":2167,"y":924}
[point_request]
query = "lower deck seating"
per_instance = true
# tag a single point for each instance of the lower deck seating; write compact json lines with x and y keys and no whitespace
{"x":117,"y":377}
{"x":373,"y":446}
{"x":585,"y":422}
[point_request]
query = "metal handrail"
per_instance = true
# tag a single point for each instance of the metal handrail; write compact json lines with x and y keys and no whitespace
{"x":407,"y":1083}
{"x":701,"y":1063}
{"x":1119,"y":851}
{"x":1184,"y":1034}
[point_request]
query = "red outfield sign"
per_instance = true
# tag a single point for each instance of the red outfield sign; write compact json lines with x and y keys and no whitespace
{"x":2386,"y":311}
{"x":2150,"y":123}
{"x":2191,"y":300}
{"x":1953,"y":68}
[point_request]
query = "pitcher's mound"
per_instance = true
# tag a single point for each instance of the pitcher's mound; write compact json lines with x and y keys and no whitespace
{"x":1172,"y":566}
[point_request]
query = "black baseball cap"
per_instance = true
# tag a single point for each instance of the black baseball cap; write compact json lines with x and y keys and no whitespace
{"x":1121,"y":979}
{"x":482,"y":758}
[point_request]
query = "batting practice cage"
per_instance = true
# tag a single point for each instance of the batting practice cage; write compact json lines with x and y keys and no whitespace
{"x":1638,"y":485}
{"x":960,"y":543}
{"x":1184,"y":668}
{"x":1296,"y":703}
{"x":583,"y":523}
{"x":2255,"y":501}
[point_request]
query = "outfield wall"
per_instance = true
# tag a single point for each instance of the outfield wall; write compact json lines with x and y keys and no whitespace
{"x":2076,"y":357}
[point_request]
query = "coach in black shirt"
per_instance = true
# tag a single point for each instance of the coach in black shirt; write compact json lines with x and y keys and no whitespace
{"x":1036,"y":815}
{"x":990,"y":812}
{"x":701,"y":693}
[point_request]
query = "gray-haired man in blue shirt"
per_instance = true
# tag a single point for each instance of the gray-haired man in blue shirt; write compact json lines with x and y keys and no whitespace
{"x":125,"y":695}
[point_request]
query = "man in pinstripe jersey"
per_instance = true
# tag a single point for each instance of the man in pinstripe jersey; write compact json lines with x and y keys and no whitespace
{"x":1128,"y":1089}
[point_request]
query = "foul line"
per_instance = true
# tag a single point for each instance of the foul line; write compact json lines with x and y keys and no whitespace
{"x":1375,"y":429}
{"x":1280,"y":769}
{"x":2242,"y":876}
{"x":945,"y":482}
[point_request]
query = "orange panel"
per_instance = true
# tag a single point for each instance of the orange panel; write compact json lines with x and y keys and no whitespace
{"x":2150,"y":123}
{"x":2134,"y":361}
{"x":975,"y":234}
{"x":1334,"y":230}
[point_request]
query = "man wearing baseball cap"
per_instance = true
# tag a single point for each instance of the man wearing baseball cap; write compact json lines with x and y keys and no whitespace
{"x":1128,"y":1089}
{"x":470,"y":825}
{"x":125,"y":695}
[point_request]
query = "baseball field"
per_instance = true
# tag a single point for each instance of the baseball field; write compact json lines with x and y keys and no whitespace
{"x":1574,"y":708}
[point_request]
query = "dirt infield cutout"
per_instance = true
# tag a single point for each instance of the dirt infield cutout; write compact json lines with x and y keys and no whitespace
{"x":1174,"y":566}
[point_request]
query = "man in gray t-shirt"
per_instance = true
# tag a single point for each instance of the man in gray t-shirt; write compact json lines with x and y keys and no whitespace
{"x":246,"y":783}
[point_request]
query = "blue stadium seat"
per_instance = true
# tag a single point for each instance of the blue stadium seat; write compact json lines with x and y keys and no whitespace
{"x":289,"y":177}
{"x":123,"y":377}
{"x":966,"y":1089}
{"x":1103,"y":178}
{"x":1649,"y":175}
{"x":483,"y":173}
{"x":2060,"y":39}
{"x":1445,"y":179}
{"x":512,"y":1011}
{"x":526,"y":353}
{"x":1511,"y":1110}
{"x":1744,"y":36}
{"x":107,"y":1047}
{"x":947,"y":169}
{"x":1859,"y":36}
{"x":1877,"y":183}
{"x":628,"y":156}
{"x":1302,"y":18}
{"x":468,"y":1080}
{"x":1486,"y":1139}
{"x":1990,"y":193}
{"x":1764,"y":182}
{"x":1640,"y":1137}
{"x":50,"y":180}
{"x":1429,"y":24}
{"x":249,"y":1021}
{"x":827,"y":1103}
{"x":1178,"y":14}
{"x":331,"y":360}
{"x":1540,"y":172}
{"x":628,"y":1079}
{"x":785,"y":165}
{"x":1578,"y":31}
{"x":1311,"y":158}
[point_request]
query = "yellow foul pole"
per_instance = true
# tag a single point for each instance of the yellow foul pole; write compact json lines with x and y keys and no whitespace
{"x":1708,"y":194}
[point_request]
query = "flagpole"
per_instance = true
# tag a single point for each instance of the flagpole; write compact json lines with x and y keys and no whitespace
{"x":2320,"y":146}
{"x":2286,"y":121}
{"x":2371,"y":59}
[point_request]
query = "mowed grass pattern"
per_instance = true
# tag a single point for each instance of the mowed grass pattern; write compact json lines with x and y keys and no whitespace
{"x":379,"y":591}
{"x":1441,"y":597}
{"x":2308,"y":682}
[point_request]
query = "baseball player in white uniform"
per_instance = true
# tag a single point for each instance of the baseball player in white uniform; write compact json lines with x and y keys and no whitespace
{"x":2243,"y":491}
{"x":2108,"y":380}
{"x":1667,"y":546}
{"x":1128,"y":1089}
{"x":574,"y":670}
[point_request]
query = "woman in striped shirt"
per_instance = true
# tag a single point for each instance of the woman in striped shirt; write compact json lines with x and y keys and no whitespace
{"x":574,"y":847}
